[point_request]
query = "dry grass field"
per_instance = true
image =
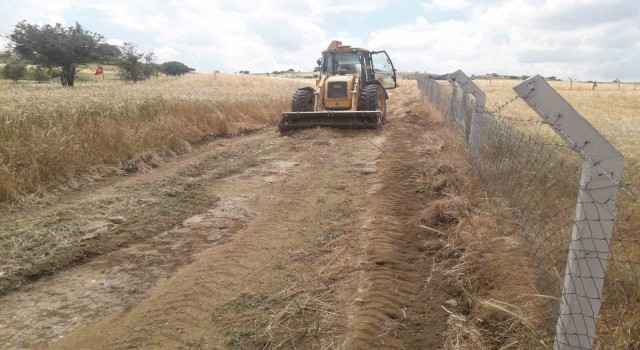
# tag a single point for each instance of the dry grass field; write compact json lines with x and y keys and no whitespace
{"x":50,"y":135}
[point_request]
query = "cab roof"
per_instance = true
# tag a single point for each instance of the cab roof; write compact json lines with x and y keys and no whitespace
{"x":336,"y":46}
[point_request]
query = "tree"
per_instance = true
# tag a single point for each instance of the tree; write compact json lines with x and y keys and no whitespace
{"x":58,"y":46}
{"x":150,"y":65}
{"x":14,"y":70}
{"x":174,"y":68}
{"x":135,"y":66}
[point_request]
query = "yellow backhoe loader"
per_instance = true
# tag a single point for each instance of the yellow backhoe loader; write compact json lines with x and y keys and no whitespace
{"x":350,"y":93}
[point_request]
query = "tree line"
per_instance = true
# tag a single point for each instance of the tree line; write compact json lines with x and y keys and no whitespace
{"x":57,"y":51}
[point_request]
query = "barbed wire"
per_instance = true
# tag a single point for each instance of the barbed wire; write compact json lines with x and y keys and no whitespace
{"x":625,"y":187}
{"x":506,"y":104}
{"x":522,"y":119}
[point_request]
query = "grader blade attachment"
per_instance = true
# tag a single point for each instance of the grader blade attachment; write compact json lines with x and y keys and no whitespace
{"x":334,"y":119}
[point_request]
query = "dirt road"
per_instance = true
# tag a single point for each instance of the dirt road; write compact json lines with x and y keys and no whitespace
{"x":311,"y":240}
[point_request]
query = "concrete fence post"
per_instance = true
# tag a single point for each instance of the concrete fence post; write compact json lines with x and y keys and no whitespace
{"x":437,"y":96}
{"x":431,"y":90}
{"x":473,"y":127}
{"x":451,"y":109}
{"x":594,"y":216}
{"x":427,"y":84}
{"x":459,"y":121}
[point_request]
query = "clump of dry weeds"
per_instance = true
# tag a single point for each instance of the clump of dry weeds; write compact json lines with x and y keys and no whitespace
{"x":480,"y":258}
{"x":488,"y":267}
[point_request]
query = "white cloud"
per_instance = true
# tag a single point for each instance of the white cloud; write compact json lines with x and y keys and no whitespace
{"x":229,"y":35}
{"x":522,"y":38}
{"x":36,"y":11}
{"x":139,"y":16}
{"x":166,"y":53}
{"x":353,"y":6}
{"x":446,"y":5}
{"x":114,"y":41}
{"x":589,"y":39}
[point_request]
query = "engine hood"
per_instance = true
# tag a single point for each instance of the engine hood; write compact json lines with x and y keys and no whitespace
{"x":348,"y":78}
{"x":337,"y":92}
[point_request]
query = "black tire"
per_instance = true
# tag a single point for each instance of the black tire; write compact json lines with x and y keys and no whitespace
{"x":302,"y":100}
{"x":371,"y":97}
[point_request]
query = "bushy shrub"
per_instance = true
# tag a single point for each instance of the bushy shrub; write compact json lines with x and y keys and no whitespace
{"x":175,"y":68}
{"x":14,"y":70}
{"x":38,"y":74}
{"x":55,"y":72}
{"x":135,"y":66}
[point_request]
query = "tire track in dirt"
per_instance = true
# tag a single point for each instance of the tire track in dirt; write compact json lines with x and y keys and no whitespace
{"x":275,"y":263}
{"x":395,"y":271}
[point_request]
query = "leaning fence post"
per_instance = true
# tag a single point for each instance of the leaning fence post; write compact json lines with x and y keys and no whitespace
{"x":459,"y":122}
{"x":437,"y":97}
{"x":594,"y":216}
{"x":451,"y":109}
{"x":431,"y":90}
{"x":474,"y":130}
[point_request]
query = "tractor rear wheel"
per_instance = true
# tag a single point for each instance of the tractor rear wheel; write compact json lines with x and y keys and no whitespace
{"x":302,"y":100}
{"x":372,"y":98}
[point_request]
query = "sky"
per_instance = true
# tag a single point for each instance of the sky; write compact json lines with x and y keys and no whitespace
{"x":581,"y":39}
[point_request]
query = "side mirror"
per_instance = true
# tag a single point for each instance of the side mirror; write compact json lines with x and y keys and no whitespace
{"x":319,"y":61}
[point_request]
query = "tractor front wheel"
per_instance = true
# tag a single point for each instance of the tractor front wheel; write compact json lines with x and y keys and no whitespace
{"x":372,"y":98}
{"x":302,"y":100}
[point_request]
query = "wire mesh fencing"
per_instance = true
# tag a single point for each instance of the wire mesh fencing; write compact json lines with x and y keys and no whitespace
{"x":563,"y":193}
{"x":438,"y":95}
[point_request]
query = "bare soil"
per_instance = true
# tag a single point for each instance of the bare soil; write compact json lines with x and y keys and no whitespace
{"x":318,"y":239}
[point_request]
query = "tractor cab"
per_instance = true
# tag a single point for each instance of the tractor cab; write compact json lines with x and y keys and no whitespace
{"x":350,"y":92}
{"x":369,"y":67}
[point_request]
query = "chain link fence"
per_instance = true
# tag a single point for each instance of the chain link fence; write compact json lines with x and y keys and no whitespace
{"x":587,"y":251}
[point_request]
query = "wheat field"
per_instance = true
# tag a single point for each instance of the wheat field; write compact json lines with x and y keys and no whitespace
{"x":52,"y":136}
